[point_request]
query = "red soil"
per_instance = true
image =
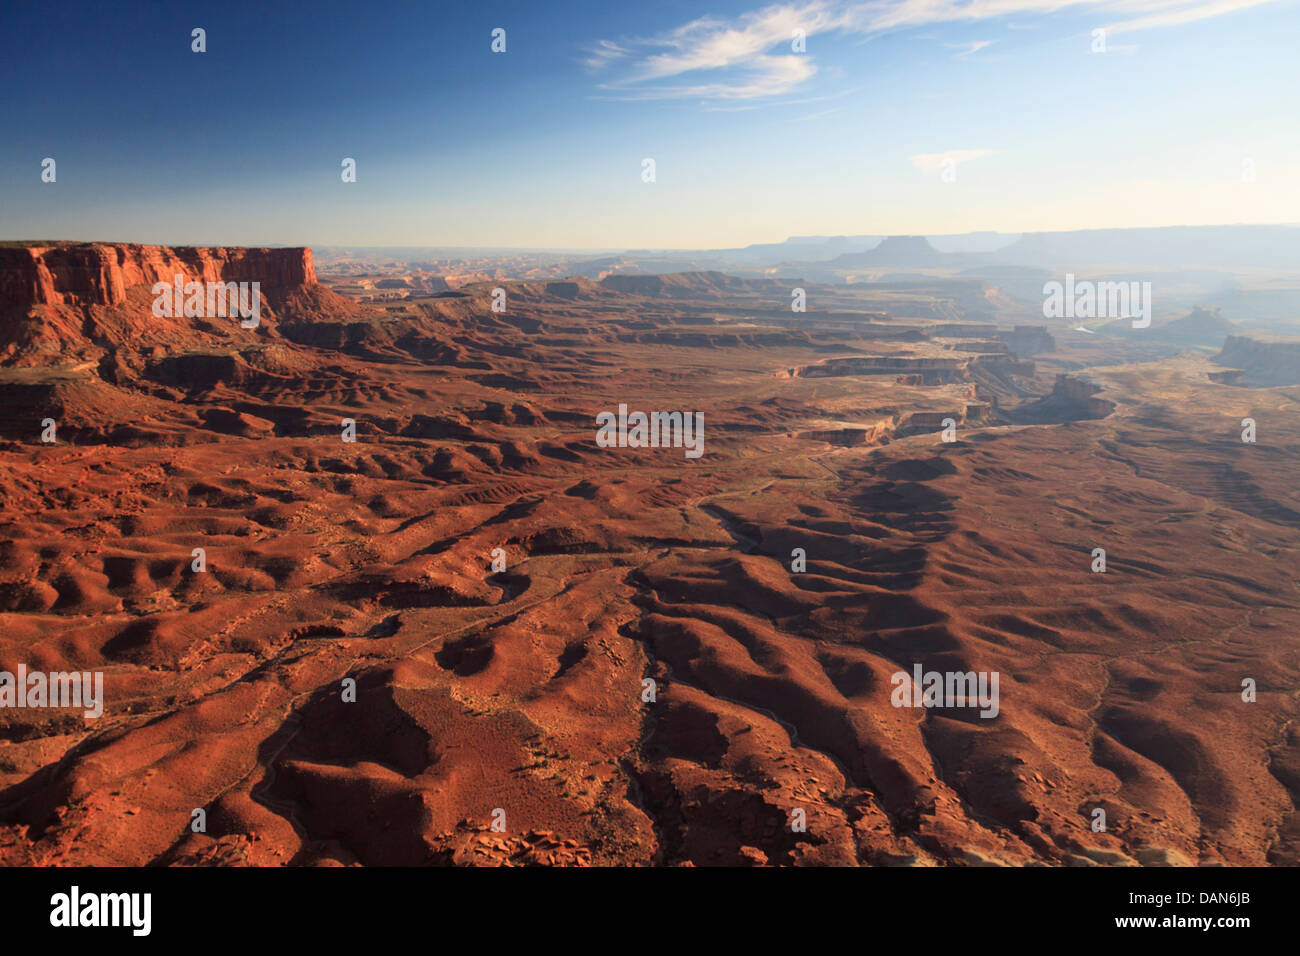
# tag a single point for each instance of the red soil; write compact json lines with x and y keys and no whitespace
{"x":522,"y":691}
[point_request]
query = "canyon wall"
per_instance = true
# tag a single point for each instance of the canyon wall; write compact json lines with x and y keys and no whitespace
{"x":1262,"y":362}
{"x":70,"y":302}
{"x":100,"y":273}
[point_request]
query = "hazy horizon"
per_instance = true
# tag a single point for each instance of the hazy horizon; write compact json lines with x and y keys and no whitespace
{"x":1011,"y":237}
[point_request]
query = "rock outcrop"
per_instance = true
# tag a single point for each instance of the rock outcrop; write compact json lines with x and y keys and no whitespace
{"x":1201,"y":326}
{"x":1073,"y":398}
{"x":100,"y":273}
{"x":71,"y":302}
{"x":894,"y":251}
{"x":1263,"y":363}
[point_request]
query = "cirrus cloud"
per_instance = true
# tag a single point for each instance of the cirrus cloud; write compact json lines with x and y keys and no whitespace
{"x":750,"y":56}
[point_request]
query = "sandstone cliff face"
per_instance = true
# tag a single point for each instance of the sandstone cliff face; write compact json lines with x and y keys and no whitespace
{"x":1263,"y":363}
{"x":72,"y":302}
{"x":1075,"y":388}
{"x":100,"y":274}
{"x":1073,"y":398}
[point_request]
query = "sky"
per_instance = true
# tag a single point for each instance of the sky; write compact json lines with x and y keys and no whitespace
{"x":896,"y":116}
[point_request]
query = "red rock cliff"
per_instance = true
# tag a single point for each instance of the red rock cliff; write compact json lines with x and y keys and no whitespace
{"x":100,"y":274}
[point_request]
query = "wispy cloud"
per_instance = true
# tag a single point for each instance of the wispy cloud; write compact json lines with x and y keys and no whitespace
{"x":754,"y":56}
{"x":1174,"y":14}
{"x":966,"y":49}
{"x":603,"y":54}
{"x":711,"y":58}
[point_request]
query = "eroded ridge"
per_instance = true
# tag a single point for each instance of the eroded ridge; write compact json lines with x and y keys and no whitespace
{"x":473,"y":635}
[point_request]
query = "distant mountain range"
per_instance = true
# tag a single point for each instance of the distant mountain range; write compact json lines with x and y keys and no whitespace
{"x":1227,"y":248}
{"x":1178,"y":247}
{"x":825,"y":248}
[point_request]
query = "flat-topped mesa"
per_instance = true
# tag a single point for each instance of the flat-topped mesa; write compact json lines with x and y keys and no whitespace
{"x":64,"y":303}
{"x":1263,"y":362}
{"x":100,"y":273}
{"x":1075,"y":388}
{"x":1073,"y":398}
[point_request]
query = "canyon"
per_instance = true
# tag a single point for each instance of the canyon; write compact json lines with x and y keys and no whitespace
{"x":498,"y":588}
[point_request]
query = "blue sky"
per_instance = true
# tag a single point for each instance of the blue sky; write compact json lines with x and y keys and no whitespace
{"x":915,"y":116}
